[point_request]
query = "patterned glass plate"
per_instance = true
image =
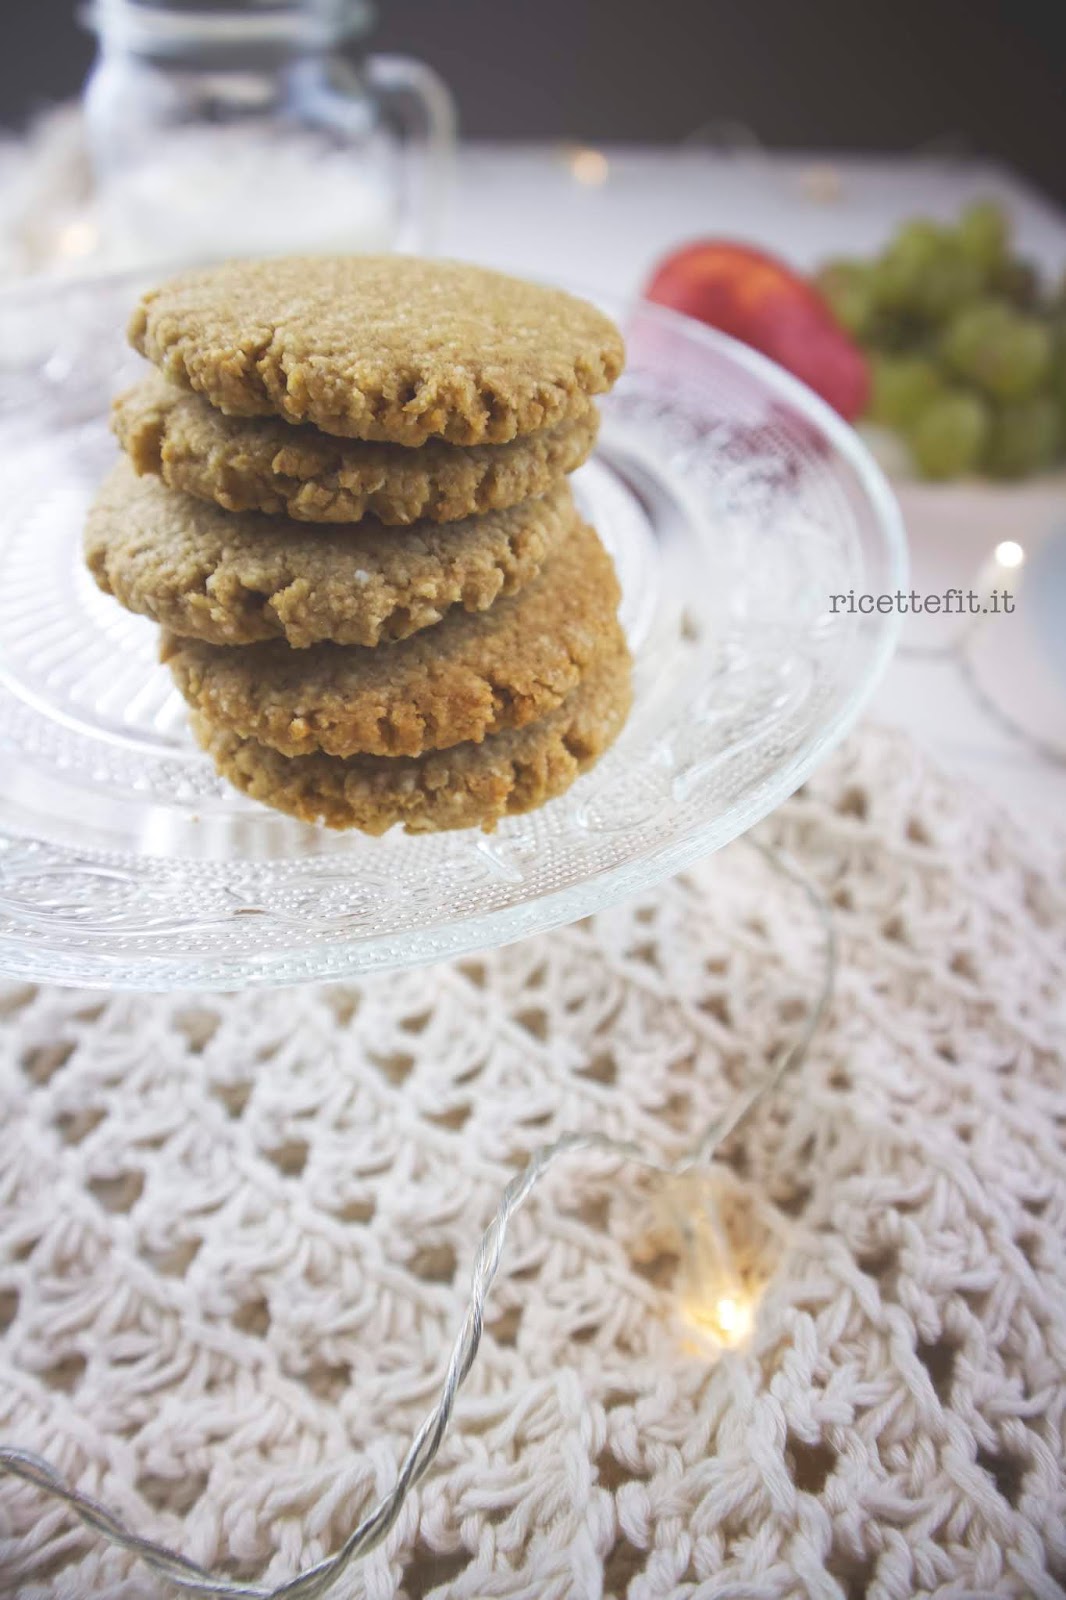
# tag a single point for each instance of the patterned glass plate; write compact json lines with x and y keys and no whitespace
{"x":735,"y":505}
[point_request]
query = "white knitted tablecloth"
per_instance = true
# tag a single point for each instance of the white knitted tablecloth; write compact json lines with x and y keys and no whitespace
{"x":235,"y":1235}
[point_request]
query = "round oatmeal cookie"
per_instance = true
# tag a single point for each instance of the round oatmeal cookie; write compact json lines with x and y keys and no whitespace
{"x":236,"y":579}
{"x":470,"y":785}
{"x":264,"y":464}
{"x":380,"y":347}
{"x":469,"y":676}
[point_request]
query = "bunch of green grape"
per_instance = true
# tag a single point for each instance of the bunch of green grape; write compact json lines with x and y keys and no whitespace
{"x":967,"y":354}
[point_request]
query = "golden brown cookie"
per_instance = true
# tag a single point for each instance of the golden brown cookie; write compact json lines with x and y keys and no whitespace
{"x":380,"y":347}
{"x":264,"y":464}
{"x":469,"y":676}
{"x":235,"y":579}
{"x":468,"y":786}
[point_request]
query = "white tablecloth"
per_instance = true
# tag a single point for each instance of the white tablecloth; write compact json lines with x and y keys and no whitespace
{"x":235,"y":1234}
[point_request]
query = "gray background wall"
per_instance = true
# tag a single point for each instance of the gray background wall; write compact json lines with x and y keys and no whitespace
{"x":884,"y":75}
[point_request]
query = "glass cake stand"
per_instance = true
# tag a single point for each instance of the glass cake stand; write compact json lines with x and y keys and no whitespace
{"x":735,"y":505}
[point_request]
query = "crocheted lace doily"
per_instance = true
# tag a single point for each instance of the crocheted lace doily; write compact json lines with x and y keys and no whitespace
{"x":235,"y":1237}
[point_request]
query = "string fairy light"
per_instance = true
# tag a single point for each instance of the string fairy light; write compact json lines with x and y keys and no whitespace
{"x":715,"y":1303}
{"x":1009,"y":554}
{"x":79,"y":237}
{"x":717,"y":1298}
{"x":588,"y":167}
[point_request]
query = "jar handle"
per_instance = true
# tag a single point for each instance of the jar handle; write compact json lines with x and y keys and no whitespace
{"x":425,"y":112}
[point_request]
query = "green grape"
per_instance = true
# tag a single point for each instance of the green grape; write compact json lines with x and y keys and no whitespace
{"x":1002,"y":351}
{"x":902,"y":387}
{"x":1057,"y":374}
{"x":1057,"y":297}
{"x":1023,"y":438}
{"x":1018,"y":281}
{"x":984,"y":235}
{"x":949,"y":435}
{"x":894,"y":331}
{"x":846,"y":288}
{"x":952,"y":282}
{"x":926,"y":272}
{"x":899,"y":269}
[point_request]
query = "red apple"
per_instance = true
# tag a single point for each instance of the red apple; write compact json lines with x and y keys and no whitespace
{"x":762,"y":302}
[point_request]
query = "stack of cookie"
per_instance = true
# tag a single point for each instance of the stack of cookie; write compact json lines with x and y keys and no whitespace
{"x":344,"y":497}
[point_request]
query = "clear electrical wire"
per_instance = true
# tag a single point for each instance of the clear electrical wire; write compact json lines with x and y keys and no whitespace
{"x":315,"y":1581}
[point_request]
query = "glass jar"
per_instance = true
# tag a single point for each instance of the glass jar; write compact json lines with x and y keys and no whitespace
{"x":238,"y":129}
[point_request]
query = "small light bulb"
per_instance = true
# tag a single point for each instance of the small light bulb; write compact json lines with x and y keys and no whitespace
{"x":1009,"y":554}
{"x":589,"y":167}
{"x":729,"y":1313}
{"x":77,"y":238}
{"x":711,"y":1217}
{"x":821,"y":183}
{"x":722,"y":1321}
